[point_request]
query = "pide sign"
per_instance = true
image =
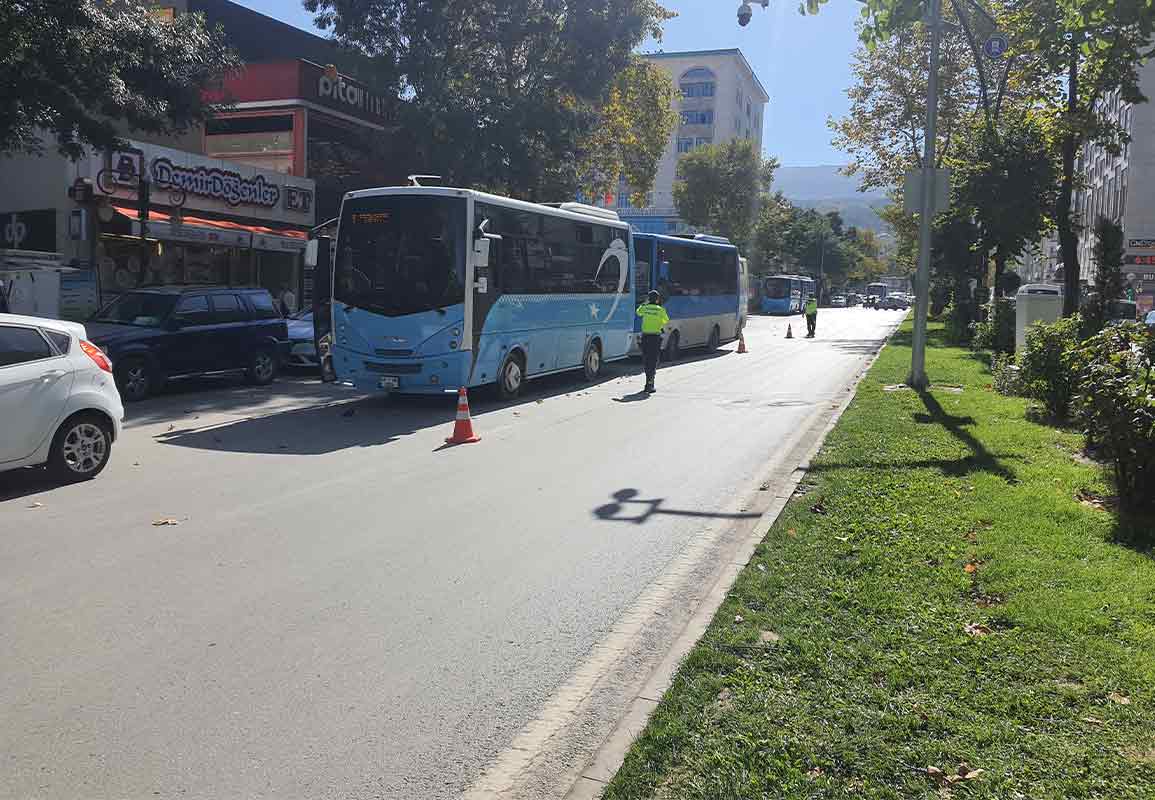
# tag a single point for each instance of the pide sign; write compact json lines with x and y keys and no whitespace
{"x":343,"y":93}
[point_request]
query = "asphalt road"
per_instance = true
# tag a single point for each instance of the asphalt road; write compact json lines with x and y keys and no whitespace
{"x":344,"y":608}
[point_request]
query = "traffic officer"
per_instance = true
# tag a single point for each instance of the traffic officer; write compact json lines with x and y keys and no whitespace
{"x":654,"y":318}
{"x":811,"y":315}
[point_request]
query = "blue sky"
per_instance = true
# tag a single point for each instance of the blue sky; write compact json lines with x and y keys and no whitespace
{"x":804,"y":62}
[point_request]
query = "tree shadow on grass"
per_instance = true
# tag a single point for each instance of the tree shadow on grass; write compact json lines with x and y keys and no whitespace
{"x":1136,"y":531}
{"x":980,"y":459}
{"x":935,"y":337}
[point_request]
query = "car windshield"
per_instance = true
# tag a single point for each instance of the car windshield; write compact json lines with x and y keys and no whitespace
{"x":143,"y":309}
{"x":401,"y":254}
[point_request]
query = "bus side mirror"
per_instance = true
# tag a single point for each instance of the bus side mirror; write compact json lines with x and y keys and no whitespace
{"x":312,"y":252}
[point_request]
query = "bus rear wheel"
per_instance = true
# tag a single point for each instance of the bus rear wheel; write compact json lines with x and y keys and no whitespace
{"x":592,"y":363}
{"x":511,"y":378}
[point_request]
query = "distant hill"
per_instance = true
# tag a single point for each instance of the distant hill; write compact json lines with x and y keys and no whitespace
{"x":826,"y":189}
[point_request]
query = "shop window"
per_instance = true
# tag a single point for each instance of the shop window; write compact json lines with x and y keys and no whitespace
{"x":193,"y":309}
{"x":263,"y":141}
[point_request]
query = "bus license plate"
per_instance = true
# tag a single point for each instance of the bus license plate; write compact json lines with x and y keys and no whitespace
{"x":388,"y":382}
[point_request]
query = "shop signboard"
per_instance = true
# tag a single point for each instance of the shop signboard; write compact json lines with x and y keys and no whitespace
{"x":341,"y":93}
{"x":279,"y":244}
{"x":192,"y":182}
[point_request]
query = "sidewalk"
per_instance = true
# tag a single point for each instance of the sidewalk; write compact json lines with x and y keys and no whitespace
{"x":939,"y":614}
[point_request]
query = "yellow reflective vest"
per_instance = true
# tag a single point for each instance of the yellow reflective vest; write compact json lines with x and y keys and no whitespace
{"x":811,"y":306}
{"x":654,"y":317}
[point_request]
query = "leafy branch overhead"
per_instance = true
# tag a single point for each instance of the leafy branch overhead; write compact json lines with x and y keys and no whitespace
{"x":718,"y":187}
{"x":509,"y":94}
{"x":82,"y":72}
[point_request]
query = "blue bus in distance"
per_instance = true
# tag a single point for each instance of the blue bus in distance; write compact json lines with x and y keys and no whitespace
{"x":435,"y":288}
{"x":786,"y":294}
{"x":701,"y":280}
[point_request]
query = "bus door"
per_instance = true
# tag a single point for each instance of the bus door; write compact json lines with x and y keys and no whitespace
{"x":483,"y":278}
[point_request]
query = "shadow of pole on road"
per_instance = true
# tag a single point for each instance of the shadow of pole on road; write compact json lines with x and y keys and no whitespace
{"x":627,"y":501}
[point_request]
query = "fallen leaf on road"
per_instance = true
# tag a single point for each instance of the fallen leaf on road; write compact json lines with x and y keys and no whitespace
{"x":977,"y":629}
{"x":37,"y":504}
{"x":172,"y":427}
{"x":157,"y":523}
{"x":970,"y":569}
{"x":763,"y":487}
{"x":1122,"y":700}
{"x":136,"y":463}
{"x":769,"y":637}
{"x":791,"y":532}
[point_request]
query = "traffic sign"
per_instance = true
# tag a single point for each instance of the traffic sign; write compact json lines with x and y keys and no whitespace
{"x":996,"y":45}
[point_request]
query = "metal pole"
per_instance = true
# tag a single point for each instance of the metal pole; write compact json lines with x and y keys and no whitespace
{"x":917,"y":378}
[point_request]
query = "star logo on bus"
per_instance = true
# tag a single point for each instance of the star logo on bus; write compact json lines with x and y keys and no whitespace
{"x":594,"y":310}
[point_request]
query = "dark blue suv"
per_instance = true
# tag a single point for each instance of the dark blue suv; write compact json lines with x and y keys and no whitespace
{"x":164,"y":332}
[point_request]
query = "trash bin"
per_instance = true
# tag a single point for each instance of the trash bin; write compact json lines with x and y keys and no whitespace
{"x":1035,"y":302}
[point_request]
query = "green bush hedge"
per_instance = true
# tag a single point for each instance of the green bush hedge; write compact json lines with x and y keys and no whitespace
{"x":1048,"y":372}
{"x":1116,"y":406}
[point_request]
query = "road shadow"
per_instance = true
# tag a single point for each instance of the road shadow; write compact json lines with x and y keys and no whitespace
{"x":636,"y":397}
{"x":628,"y":507}
{"x":853,"y":347}
{"x":196,"y":396}
{"x":27,"y":481}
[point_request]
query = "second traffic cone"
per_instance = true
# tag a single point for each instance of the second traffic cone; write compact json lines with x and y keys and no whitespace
{"x":789,"y":331}
{"x":742,"y":342}
{"x":463,"y":426}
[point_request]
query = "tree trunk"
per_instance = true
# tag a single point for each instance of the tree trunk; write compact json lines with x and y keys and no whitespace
{"x":1064,"y":221}
{"x":1000,"y":270}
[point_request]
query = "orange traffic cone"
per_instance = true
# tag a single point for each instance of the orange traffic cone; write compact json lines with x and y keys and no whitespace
{"x":463,"y":426}
{"x":789,"y":331}
{"x":742,"y":342}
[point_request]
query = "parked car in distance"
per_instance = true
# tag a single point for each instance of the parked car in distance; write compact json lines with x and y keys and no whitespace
{"x":893,"y":302}
{"x":853,"y":299}
{"x":161,"y":333}
{"x":302,"y":346}
{"x":838,"y":301}
{"x":59,"y":405}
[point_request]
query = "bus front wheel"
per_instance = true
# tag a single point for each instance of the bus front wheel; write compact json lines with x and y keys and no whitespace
{"x":592,"y":363}
{"x":511,"y":379}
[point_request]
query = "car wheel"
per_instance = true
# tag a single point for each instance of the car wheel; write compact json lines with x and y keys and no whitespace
{"x":511,"y":378}
{"x":81,"y":448}
{"x":262,"y":367}
{"x":673,"y":347}
{"x":592,"y":363}
{"x":134,"y":379}
{"x":715,"y":339}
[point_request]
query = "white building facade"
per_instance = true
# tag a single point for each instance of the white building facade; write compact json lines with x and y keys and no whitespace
{"x":720,"y":99}
{"x":1121,"y":187}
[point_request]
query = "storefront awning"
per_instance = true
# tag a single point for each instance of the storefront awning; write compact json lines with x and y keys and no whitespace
{"x":187,"y":228}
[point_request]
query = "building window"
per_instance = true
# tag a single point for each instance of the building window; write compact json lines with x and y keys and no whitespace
{"x":685,"y":145}
{"x":701,"y":141}
{"x":698,"y":89}
{"x":698,"y":117}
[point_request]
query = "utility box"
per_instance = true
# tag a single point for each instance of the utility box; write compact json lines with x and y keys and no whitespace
{"x":30,"y":282}
{"x":1035,"y":302}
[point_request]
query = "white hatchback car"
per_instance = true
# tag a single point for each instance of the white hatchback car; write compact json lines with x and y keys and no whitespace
{"x":58,"y":400}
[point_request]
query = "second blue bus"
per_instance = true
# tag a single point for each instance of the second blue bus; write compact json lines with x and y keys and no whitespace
{"x":703,"y":285}
{"x":786,"y":294}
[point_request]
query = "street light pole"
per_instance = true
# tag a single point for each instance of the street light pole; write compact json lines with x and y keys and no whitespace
{"x":917,"y":378}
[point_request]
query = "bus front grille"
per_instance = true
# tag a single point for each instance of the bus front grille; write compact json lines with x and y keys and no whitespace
{"x":393,"y":353}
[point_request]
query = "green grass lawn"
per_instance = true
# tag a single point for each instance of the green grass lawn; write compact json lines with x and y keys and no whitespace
{"x":939,"y":596}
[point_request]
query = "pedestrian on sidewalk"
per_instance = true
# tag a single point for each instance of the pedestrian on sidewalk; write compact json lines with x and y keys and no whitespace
{"x":654,"y":318}
{"x":811,"y":316}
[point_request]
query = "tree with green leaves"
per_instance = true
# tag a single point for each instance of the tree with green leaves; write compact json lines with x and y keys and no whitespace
{"x":507,"y":96}
{"x":83,"y":72}
{"x":634,"y":125}
{"x":1109,"y":283}
{"x":718,"y":187}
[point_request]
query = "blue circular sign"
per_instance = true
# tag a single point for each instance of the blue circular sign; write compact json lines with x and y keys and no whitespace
{"x":996,"y":45}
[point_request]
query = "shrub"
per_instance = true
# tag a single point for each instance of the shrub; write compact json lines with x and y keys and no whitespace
{"x":1006,"y":375}
{"x":997,"y":332}
{"x":1047,"y":364}
{"x":1116,"y":406}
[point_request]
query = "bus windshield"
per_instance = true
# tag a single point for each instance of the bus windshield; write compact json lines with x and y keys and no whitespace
{"x":401,"y":254}
{"x":777,"y":288}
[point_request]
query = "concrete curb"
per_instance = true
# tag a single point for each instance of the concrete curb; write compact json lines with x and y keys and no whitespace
{"x":609,"y":756}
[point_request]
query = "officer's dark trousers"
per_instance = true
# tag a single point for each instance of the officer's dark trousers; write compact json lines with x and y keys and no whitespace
{"x":651,"y":346}
{"x":811,"y":323}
